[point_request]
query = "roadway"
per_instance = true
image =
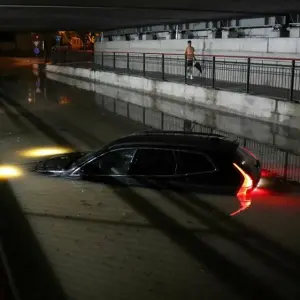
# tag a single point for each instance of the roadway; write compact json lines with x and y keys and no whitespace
{"x":88,"y":241}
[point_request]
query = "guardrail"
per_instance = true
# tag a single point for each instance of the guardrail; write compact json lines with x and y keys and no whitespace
{"x":271,"y":77}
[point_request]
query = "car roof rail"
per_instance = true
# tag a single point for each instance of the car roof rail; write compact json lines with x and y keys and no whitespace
{"x":208,"y":135}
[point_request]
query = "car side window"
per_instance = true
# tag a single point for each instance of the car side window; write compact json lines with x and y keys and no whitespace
{"x":115,"y":162}
{"x":153,"y":162}
{"x":191,"y":162}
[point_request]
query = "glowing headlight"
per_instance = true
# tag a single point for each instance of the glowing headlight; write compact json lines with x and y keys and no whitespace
{"x":47,"y":151}
{"x":7,"y":172}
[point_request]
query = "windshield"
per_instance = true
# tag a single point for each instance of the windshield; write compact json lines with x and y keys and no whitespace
{"x":86,"y":156}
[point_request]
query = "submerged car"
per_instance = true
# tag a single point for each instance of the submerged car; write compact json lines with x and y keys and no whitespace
{"x":172,"y":159}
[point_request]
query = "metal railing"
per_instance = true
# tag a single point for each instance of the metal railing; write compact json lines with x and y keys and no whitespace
{"x":277,"y":78}
{"x":271,"y":77}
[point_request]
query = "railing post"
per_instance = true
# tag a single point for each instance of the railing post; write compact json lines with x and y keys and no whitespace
{"x":291,"y":95}
{"x":248,"y":75}
{"x":114,"y":60}
{"x":144,"y":64}
{"x":102,"y":60}
{"x":144,"y":115}
{"x":214,"y":72}
{"x":127,"y":62}
{"x":286,"y":165}
{"x":163,"y":66}
{"x":185,"y":70}
{"x":187,"y":125}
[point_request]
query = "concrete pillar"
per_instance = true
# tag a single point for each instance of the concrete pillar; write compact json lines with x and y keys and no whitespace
{"x":295,"y":32}
{"x":275,"y":34}
{"x":119,"y":38}
{"x":147,"y":37}
{"x":180,"y":36}
{"x":187,"y":125}
{"x":210,"y":34}
{"x":134,"y":37}
{"x":224,"y":34}
{"x":49,"y":41}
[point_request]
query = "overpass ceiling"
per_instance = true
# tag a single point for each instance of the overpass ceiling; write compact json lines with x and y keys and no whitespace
{"x":112,"y":14}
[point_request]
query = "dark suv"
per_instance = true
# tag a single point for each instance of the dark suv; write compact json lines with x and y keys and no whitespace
{"x":173,"y":159}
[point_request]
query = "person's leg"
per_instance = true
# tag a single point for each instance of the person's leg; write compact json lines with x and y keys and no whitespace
{"x":187,"y":68}
{"x":190,"y":69}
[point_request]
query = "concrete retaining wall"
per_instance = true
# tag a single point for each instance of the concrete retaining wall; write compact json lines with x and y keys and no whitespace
{"x":256,"y":107}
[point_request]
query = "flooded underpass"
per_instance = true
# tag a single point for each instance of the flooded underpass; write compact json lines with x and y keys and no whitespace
{"x":80,"y":240}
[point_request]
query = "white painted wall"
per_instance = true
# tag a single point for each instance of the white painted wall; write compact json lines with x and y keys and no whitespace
{"x":279,"y":47}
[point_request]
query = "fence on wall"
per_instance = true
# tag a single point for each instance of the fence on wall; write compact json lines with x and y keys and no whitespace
{"x":277,"y":78}
{"x":271,"y":77}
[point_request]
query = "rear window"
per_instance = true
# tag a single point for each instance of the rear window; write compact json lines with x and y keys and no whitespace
{"x":247,"y":156}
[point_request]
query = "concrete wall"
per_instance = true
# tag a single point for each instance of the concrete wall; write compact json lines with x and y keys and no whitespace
{"x":279,"y":47}
{"x":271,"y":73}
{"x":270,"y":110}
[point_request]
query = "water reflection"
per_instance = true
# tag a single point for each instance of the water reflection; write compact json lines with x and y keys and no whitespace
{"x":245,"y":203}
{"x":40,"y":82}
{"x":63,"y":100}
{"x":31,"y":96}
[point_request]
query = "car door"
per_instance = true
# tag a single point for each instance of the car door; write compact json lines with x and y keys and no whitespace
{"x":152,"y":167}
{"x":196,"y":170}
{"x":111,"y":167}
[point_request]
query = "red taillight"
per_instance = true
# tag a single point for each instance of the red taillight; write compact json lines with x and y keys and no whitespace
{"x":247,"y":182}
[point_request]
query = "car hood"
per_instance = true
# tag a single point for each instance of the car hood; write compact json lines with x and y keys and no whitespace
{"x":57,"y":163}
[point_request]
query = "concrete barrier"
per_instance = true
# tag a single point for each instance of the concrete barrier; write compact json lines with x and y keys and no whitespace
{"x":261,"y":108}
